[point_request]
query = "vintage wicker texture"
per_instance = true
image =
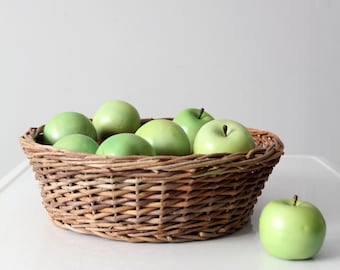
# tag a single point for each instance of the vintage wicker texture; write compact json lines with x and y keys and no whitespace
{"x":152,"y":199}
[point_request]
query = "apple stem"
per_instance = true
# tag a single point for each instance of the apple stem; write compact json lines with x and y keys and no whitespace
{"x":295,"y":199}
{"x":201,"y":113}
{"x":225,"y":129}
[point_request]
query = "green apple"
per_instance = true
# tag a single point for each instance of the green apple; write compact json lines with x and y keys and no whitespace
{"x":191,"y":120}
{"x":67,"y":123}
{"x":77,"y":143}
{"x":223,"y":136}
{"x":116,"y":116}
{"x":166,"y":137}
{"x":291,"y":229}
{"x":125,"y":144}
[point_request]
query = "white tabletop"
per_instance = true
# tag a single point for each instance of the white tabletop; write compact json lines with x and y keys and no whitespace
{"x":28,"y":240}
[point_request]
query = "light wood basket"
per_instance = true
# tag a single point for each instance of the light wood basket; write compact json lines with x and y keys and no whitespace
{"x":152,"y":198}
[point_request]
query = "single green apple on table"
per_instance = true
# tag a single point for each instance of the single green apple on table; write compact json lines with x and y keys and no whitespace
{"x":166,"y":137}
{"x":223,"y":136}
{"x":67,"y":123}
{"x":191,"y":120}
{"x":292,"y":229}
{"x":125,"y":144}
{"x":116,"y":116}
{"x":77,"y":143}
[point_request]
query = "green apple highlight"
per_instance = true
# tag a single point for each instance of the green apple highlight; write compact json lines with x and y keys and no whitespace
{"x":191,"y":120}
{"x":125,"y":144}
{"x":223,"y":136}
{"x":67,"y":123}
{"x":292,"y":229}
{"x":77,"y":143}
{"x":116,"y":116}
{"x":166,"y":137}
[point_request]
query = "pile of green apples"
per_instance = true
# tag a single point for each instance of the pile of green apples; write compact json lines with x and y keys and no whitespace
{"x":116,"y":129}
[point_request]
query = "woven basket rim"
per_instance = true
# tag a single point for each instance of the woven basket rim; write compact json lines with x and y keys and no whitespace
{"x":275,"y":149}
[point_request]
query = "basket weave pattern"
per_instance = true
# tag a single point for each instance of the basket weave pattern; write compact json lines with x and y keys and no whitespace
{"x":152,"y":199}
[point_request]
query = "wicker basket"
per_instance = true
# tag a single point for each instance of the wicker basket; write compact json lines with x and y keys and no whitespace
{"x":152,"y":199}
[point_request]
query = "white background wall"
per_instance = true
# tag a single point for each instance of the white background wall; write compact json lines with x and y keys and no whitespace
{"x":271,"y":64}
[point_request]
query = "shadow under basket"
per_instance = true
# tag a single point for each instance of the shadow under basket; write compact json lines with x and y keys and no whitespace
{"x":152,"y":198}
